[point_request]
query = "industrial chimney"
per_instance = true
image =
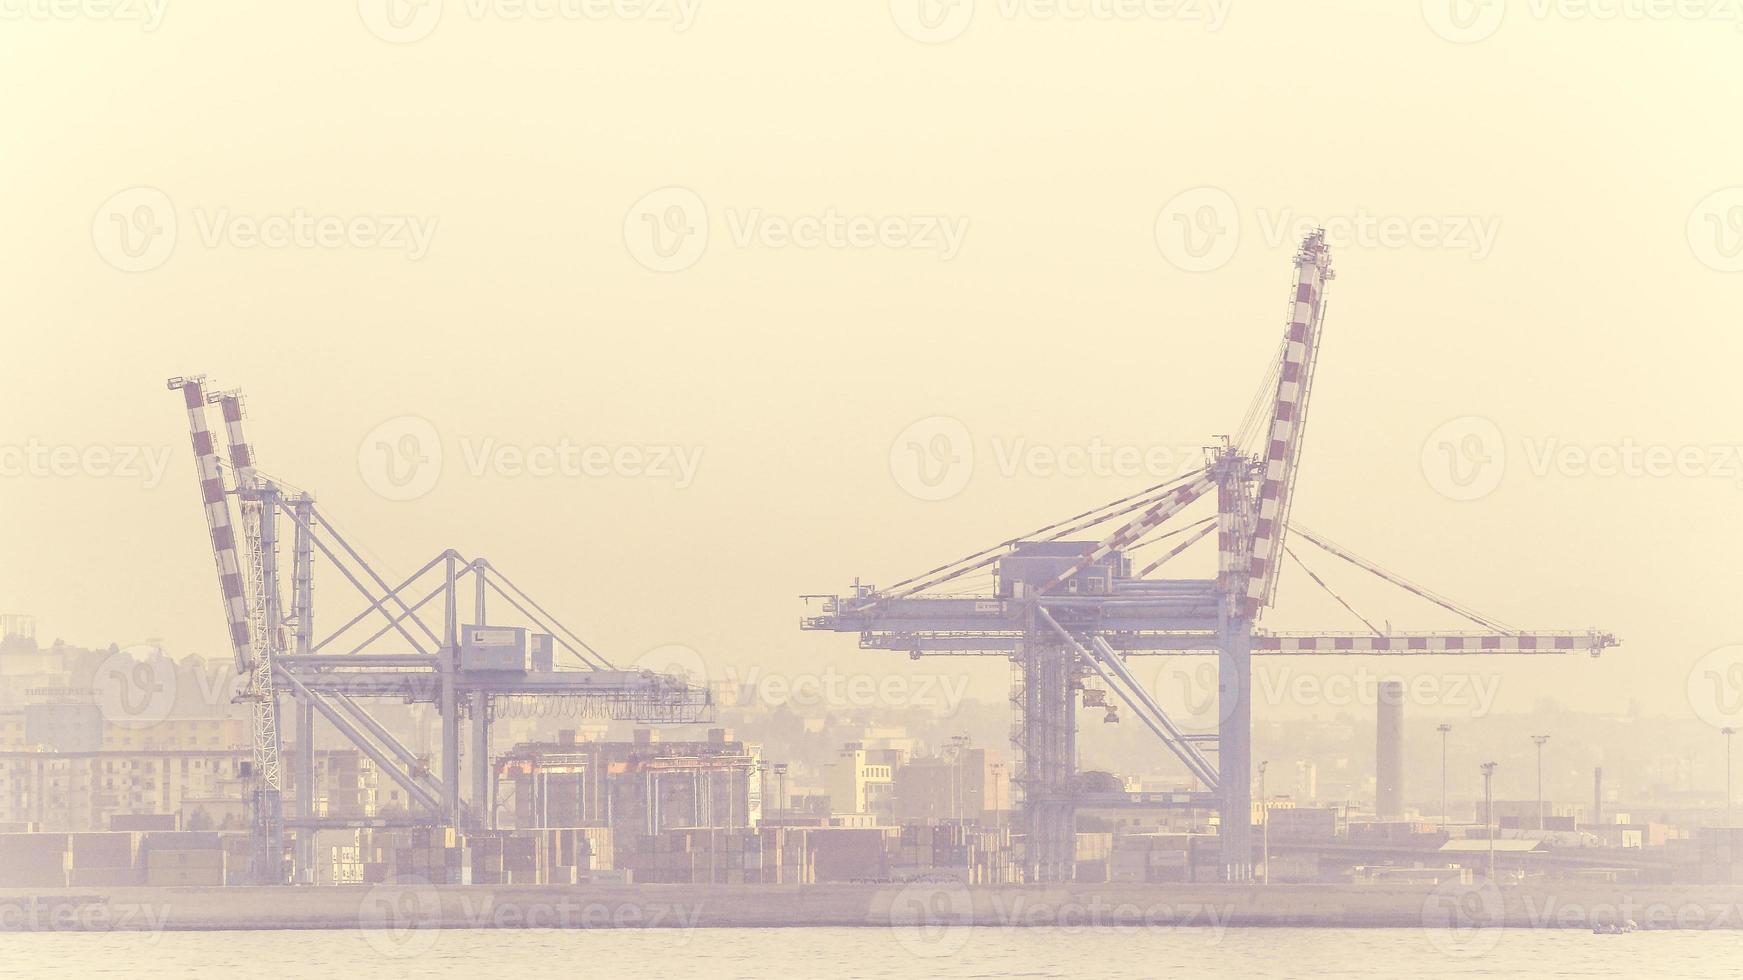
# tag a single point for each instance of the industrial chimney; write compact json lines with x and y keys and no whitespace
{"x":1389,"y":757}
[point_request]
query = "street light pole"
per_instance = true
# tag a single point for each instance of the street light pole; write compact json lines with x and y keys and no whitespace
{"x":1443,"y":729}
{"x":1540,"y":739}
{"x":1488,"y":815}
{"x":1265,"y":822}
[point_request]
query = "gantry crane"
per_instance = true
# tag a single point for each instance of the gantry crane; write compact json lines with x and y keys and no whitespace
{"x":464,"y":670}
{"x":1069,"y":610}
{"x":244,"y":582}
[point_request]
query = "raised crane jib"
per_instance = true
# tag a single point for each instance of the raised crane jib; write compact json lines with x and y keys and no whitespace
{"x":215,"y":502}
{"x":1282,"y":448}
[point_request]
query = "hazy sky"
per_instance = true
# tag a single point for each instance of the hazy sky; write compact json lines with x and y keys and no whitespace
{"x":467,"y":225}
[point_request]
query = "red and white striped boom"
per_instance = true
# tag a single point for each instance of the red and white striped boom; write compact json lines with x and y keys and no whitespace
{"x":1288,"y":415}
{"x":216,"y":504}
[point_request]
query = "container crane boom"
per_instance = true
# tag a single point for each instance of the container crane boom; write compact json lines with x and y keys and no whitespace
{"x":1288,"y":417}
{"x":219,"y":525}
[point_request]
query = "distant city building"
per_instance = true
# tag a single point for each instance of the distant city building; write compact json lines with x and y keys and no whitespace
{"x":82,"y":791}
{"x":967,"y":785}
{"x":861,"y":780}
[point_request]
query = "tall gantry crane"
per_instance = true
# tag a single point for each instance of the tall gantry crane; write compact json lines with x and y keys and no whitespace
{"x":243,"y":582}
{"x":467,"y":671}
{"x":1065,"y":605}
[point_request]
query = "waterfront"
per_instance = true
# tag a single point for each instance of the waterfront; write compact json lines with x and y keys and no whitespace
{"x":865,"y":952}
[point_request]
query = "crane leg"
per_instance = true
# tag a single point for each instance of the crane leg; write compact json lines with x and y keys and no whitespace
{"x":1235,"y":749}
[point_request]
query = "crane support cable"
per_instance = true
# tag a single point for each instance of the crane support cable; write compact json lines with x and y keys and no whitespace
{"x":1261,"y":398}
{"x":398,"y":623}
{"x":1153,"y":516}
{"x":377,"y":604}
{"x":493,"y":570}
{"x":1329,"y":591}
{"x":429,"y":596}
{"x":1126,"y":506}
{"x":536,"y":621}
{"x":1182,"y":546}
{"x":987,"y":556}
{"x":1177,"y":532}
{"x":1408,"y":586}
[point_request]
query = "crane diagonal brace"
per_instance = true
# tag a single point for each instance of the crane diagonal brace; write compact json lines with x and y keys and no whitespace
{"x":1134,"y":695}
{"x":1204,"y":769}
{"x":410,"y":784}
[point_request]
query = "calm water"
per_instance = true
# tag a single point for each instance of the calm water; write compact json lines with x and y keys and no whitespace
{"x":795,"y":954}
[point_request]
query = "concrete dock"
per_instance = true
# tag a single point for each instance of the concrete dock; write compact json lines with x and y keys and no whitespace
{"x":411,"y":906}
